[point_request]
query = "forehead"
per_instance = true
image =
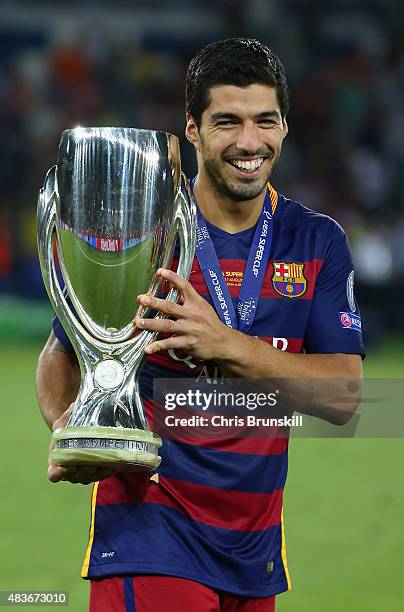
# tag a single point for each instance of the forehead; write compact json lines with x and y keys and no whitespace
{"x":251,"y":100}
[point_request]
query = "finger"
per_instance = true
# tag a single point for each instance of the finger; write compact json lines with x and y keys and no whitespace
{"x":68,"y":471}
{"x":86,"y":477}
{"x":84,"y":480}
{"x":56,"y":473}
{"x":174,"y":342}
{"x":86,"y":474}
{"x":140,"y":311}
{"x":83,"y":472}
{"x":61,"y":421}
{"x":158,"y":325}
{"x":179,"y":282}
{"x":167,"y":307}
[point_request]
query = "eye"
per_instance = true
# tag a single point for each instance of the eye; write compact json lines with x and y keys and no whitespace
{"x":267,"y":122}
{"x":225,"y":123}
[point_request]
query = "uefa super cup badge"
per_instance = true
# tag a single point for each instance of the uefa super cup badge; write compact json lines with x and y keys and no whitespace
{"x":114,"y":205}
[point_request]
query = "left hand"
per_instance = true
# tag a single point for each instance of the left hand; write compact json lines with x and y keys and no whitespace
{"x":196,"y":328}
{"x":83,"y":474}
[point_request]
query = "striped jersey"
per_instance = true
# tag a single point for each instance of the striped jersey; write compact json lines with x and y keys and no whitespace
{"x":214,"y":513}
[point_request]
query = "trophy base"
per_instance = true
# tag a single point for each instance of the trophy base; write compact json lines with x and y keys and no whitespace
{"x":128,"y":449}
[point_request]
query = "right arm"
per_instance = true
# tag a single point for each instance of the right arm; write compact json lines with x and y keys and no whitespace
{"x":57,"y":380}
{"x":57,"y":385}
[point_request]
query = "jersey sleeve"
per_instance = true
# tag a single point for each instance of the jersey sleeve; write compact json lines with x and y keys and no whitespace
{"x":334,"y":324}
{"x":60,"y":334}
{"x":58,"y":328}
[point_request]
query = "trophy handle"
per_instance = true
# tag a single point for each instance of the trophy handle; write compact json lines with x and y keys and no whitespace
{"x":47,"y":229}
{"x":185,"y":228}
{"x":47,"y":218}
{"x":186,"y":224}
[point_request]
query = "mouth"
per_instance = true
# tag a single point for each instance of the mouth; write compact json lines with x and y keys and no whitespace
{"x":247,"y":167}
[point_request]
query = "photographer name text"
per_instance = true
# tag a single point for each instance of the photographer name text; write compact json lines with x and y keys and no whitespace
{"x":219,"y":420}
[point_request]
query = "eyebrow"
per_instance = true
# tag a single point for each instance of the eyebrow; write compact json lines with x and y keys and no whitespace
{"x":264,"y":115}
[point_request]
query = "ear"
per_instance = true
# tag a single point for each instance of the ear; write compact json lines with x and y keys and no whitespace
{"x":192,"y":131}
{"x":285,"y":128}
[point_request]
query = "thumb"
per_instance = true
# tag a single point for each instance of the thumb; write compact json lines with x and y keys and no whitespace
{"x":57,"y":472}
{"x":62,"y":420}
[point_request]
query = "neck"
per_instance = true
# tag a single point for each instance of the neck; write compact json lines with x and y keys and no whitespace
{"x":230,"y":215}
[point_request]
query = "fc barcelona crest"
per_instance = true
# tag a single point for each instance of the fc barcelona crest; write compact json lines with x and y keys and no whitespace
{"x":288,"y":279}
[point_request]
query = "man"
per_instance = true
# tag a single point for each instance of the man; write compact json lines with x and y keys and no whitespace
{"x":206,"y":533}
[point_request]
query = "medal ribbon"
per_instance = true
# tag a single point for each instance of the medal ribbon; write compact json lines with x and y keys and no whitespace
{"x":250,"y":289}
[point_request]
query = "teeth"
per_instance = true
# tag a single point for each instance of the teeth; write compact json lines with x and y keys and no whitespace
{"x":250,"y":165}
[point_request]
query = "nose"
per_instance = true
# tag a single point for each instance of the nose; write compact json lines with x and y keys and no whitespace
{"x":248,"y":138}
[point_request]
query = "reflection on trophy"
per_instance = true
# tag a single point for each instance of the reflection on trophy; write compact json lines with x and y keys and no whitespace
{"x":114,"y":204}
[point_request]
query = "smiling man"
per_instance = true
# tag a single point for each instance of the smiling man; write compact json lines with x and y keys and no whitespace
{"x":238,"y":140}
{"x":270,"y":296}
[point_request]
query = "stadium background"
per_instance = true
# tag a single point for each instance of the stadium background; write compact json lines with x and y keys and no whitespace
{"x":123,"y":63}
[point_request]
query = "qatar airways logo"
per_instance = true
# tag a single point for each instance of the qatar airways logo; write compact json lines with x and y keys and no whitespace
{"x":279,"y":343}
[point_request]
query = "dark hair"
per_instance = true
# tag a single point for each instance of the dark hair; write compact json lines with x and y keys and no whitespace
{"x":233,"y":61}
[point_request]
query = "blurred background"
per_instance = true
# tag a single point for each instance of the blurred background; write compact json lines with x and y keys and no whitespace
{"x":123,"y":63}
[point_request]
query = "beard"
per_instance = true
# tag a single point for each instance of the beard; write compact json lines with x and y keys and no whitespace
{"x":240,"y":190}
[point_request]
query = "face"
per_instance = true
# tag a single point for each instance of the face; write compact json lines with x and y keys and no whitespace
{"x":239,"y":140}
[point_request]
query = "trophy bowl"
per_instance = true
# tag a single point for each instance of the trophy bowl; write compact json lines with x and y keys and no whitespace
{"x":112,"y":209}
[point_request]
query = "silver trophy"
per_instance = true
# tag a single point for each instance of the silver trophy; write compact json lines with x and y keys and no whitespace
{"x":112,"y":209}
